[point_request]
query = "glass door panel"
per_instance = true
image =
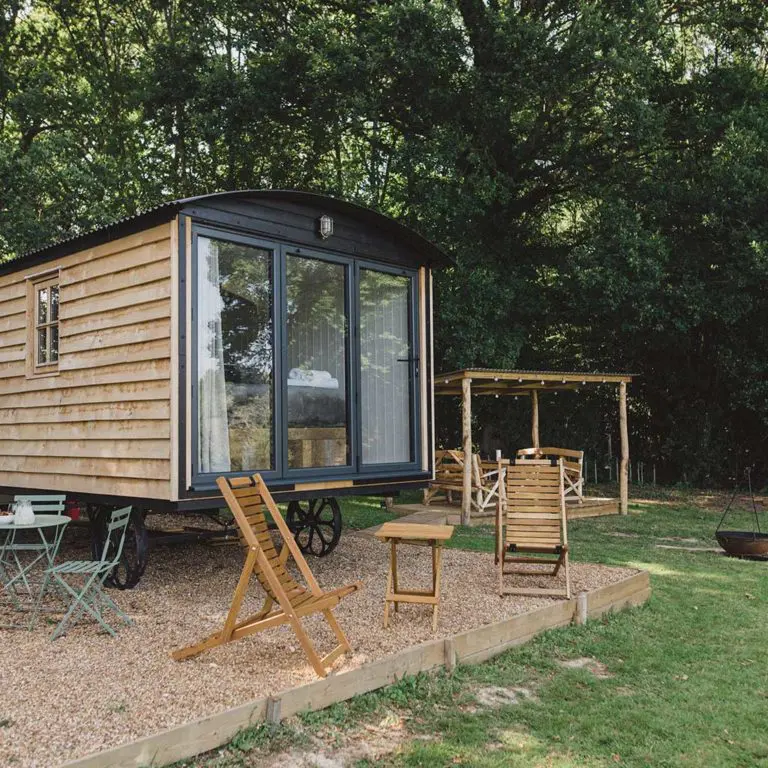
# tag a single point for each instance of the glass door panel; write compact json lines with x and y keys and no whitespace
{"x":316,"y":374}
{"x":386,"y":367}
{"x":235,"y":360}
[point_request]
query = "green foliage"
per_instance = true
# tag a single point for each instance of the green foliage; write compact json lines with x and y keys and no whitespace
{"x":597,"y":169}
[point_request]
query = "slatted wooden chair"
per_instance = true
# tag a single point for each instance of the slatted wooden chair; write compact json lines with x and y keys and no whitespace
{"x":449,"y":479}
{"x":573,"y":462}
{"x":533,"y":528}
{"x":286,"y":602}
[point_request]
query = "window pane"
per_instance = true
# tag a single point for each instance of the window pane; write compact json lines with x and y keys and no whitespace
{"x":42,"y":305}
{"x":42,"y":346}
{"x":316,"y":328}
{"x":54,"y":331}
{"x":234,"y":357}
{"x":54,"y":303}
{"x":385,"y":376}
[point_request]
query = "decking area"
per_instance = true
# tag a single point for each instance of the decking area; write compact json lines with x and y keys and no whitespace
{"x":112,"y":692}
{"x":450,"y":514}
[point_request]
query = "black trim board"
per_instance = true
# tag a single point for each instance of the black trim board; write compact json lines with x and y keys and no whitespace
{"x":204,"y":500}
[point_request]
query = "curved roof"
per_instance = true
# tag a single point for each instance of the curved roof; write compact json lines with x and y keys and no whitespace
{"x":167,"y":210}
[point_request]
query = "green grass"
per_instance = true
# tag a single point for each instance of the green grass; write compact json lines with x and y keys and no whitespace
{"x":690,"y":672}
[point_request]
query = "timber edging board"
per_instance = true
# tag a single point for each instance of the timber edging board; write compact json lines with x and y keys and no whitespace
{"x":470,"y":647}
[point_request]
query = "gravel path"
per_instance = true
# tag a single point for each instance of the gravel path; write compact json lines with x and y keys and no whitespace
{"x":86,"y":691}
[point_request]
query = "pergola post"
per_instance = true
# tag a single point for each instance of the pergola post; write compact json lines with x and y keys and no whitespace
{"x":535,"y":419}
{"x":624,"y":467}
{"x":466,"y":427}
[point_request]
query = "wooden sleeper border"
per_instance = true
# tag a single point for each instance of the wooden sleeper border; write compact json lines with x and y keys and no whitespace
{"x":470,"y":647}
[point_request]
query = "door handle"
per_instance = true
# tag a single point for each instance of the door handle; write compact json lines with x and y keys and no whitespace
{"x":410,"y":360}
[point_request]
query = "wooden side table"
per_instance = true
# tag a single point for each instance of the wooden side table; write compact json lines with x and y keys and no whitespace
{"x":412,"y":533}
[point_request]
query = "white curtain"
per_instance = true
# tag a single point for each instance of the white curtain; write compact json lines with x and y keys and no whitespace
{"x":213,"y":427}
{"x":384,"y":378}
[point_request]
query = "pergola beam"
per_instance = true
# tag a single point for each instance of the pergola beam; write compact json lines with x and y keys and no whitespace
{"x":505,"y":389}
{"x":531,"y":377}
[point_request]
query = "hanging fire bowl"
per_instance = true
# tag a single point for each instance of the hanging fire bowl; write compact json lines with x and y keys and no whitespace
{"x":743,"y":543}
{"x":750,"y":544}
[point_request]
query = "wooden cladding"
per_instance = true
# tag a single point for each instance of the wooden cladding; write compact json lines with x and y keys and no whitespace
{"x":102,"y":423}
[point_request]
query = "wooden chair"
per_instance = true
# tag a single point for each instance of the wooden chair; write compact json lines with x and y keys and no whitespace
{"x":286,"y":601}
{"x":449,"y":479}
{"x":533,"y":529}
{"x":573,"y":462}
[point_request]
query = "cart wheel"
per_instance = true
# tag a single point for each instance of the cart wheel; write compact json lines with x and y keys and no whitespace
{"x":135,"y":555}
{"x":316,"y":525}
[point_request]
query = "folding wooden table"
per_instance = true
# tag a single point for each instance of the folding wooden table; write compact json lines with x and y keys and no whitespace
{"x":413,"y":533}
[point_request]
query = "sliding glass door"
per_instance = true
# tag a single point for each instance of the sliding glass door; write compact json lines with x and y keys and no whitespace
{"x":304,"y":363}
{"x":387,"y":367}
{"x":317,"y":349}
{"x":235,"y":360}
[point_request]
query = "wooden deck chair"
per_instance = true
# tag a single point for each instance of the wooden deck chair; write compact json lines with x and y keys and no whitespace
{"x":573,"y":463}
{"x":533,"y":528}
{"x":286,"y":601}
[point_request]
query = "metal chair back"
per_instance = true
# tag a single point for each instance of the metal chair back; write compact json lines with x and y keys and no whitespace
{"x":45,"y":504}
{"x":118,"y":523}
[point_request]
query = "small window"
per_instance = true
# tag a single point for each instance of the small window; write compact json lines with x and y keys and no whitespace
{"x":46,"y":338}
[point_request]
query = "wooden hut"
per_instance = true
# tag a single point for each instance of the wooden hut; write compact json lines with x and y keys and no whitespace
{"x":274,"y":331}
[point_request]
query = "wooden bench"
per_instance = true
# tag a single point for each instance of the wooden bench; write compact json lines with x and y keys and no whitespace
{"x":573,"y":465}
{"x":449,"y":479}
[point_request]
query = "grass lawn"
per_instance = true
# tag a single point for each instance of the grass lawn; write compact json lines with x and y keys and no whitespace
{"x":685,"y":683}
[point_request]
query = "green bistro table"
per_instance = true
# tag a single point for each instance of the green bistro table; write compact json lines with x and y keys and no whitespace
{"x":21,"y":560}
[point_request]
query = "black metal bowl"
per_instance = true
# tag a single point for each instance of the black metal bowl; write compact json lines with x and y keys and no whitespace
{"x":743,"y":543}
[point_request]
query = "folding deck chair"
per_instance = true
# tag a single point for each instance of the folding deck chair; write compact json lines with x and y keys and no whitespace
{"x":286,"y":601}
{"x":90,"y":596}
{"x":533,"y":527}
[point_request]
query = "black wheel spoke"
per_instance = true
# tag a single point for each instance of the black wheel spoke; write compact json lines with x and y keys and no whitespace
{"x":316,"y":524}
{"x":326,"y":539}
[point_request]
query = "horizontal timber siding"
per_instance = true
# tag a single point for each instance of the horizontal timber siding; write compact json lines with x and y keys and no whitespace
{"x":103,"y":424}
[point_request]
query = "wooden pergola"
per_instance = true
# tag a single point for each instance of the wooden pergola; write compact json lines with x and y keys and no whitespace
{"x":505,"y":383}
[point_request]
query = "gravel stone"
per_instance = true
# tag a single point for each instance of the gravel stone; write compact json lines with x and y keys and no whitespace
{"x":86,"y":691}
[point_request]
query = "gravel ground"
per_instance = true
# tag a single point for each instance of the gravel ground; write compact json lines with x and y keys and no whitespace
{"x":87,"y":691}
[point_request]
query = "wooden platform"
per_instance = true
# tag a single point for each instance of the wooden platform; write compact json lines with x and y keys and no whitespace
{"x":451,"y":513}
{"x":592,"y":507}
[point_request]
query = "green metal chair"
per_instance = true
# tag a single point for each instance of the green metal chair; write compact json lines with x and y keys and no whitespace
{"x":90,"y":597}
